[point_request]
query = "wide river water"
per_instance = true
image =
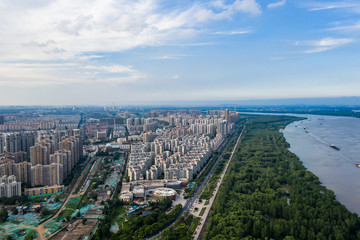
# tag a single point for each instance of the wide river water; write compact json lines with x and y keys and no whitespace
{"x":310,"y":140}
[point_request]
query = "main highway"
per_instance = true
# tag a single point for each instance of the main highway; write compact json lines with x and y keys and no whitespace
{"x":200,"y":228}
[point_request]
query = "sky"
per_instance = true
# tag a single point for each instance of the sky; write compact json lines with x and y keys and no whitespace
{"x":65,"y":52}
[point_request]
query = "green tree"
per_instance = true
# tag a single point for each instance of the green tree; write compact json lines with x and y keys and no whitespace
{"x":15,"y":211}
{"x":3,"y":214}
{"x":45,"y":212}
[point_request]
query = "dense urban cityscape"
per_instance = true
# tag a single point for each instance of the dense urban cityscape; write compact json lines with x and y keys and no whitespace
{"x":48,"y":161}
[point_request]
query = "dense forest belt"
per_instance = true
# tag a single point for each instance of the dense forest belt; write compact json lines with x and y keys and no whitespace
{"x":268,"y":194}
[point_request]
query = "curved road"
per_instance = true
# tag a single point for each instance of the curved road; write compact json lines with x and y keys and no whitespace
{"x":41,"y":227}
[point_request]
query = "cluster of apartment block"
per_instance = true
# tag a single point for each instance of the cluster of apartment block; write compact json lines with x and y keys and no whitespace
{"x":140,"y":160}
{"x":100,"y":128}
{"x":19,"y":142}
{"x":53,"y":162}
{"x":180,"y":150}
{"x":141,"y":124}
{"x":119,"y":131}
{"x":46,"y":122}
{"x":35,"y":125}
{"x":43,"y":158}
{"x":190,"y":154}
{"x":26,"y":125}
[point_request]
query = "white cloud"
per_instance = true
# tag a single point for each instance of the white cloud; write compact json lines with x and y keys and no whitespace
{"x":324,"y":44}
{"x":63,"y":29}
{"x":234,"y":32}
{"x":175,"y":76}
{"x":165,"y":57}
{"x":250,"y":6}
{"x":171,"y":57}
{"x":43,"y":74}
{"x":75,"y":31}
{"x":277,"y":4}
{"x":347,"y":28}
{"x":352,"y":6}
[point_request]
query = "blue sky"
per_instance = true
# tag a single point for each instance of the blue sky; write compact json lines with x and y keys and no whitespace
{"x":127,"y":51}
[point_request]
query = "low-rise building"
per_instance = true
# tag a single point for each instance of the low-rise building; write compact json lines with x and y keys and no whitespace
{"x":164,"y":193}
{"x":43,"y":190}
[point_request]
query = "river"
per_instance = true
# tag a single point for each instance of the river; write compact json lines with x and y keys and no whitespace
{"x":310,"y":140}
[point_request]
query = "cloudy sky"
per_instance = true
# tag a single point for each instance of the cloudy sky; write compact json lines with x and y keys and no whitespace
{"x":142,"y":51}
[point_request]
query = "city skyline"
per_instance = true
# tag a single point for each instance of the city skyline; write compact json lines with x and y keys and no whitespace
{"x":123,"y":52}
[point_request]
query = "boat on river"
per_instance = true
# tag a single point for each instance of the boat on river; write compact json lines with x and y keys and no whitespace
{"x":334,"y":147}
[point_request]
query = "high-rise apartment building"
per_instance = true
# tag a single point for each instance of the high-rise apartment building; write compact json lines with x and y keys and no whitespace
{"x":64,"y":158}
{"x":2,"y":119}
{"x":39,"y":154}
{"x":1,"y":143}
{"x":56,"y":175}
{"x":227,"y":114}
{"x":74,"y":145}
{"x":37,"y":175}
{"x":9,"y":187}
{"x":22,"y":171}
{"x":27,"y":141}
{"x":7,"y":169}
{"x":47,"y":175}
{"x":13,"y":142}
{"x":54,"y":136}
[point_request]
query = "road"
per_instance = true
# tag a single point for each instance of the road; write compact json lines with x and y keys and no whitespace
{"x":189,"y":203}
{"x":199,"y":229}
{"x":205,"y":179}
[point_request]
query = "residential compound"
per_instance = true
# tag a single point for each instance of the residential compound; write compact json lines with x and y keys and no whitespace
{"x":181,"y":150}
{"x":40,"y":158}
{"x":46,"y":122}
{"x":18,"y":143}
{"x":100,"y":128}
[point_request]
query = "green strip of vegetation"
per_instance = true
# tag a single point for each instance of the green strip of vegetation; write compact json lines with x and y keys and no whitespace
{"x":268,"y":193}
{"x":190,"y":191}
{"x":182,"y":229}
{"x":213,"y":159}
{"x":193,"y":226}
{"x":211,"y":185}
{"x":202,"y":211}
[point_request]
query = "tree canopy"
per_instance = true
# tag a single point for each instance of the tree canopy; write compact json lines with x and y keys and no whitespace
{"x":268,"y":194}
